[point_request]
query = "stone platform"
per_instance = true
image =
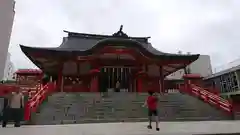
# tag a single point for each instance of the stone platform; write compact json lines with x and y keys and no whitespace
{"x":173,"y":128}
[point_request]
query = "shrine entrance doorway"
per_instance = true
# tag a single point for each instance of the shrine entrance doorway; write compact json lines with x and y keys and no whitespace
{"x":110,"y":75}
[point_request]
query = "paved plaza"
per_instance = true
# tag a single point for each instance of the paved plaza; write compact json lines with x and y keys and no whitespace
{"x":178,"y":128}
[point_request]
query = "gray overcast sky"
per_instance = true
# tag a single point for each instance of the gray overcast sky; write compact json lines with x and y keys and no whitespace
{"x":197,"y":26}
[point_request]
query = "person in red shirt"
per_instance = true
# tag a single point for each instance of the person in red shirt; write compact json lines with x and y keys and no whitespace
{"x":152,"y":104}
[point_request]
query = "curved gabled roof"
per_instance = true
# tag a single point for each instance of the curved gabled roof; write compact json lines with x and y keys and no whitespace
{"x":81,"y":44}
{"x":86,"y":44}
{"x":86,"y":47}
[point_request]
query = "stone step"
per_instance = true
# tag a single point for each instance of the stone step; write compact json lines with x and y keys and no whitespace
{"x":90,"y":107}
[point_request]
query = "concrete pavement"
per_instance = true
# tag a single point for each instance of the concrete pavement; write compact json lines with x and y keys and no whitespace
{"x":178,"y":128}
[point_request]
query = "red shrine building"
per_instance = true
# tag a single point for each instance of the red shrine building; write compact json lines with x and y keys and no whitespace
{"x":93,"y":63}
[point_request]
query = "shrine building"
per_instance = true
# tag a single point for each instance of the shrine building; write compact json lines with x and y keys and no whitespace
{"x":93,"y":63}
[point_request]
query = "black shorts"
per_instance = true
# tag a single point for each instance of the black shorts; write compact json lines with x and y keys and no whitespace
{"x":152,"y":112}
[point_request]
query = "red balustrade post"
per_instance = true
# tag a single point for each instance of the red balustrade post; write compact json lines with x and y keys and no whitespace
{"x":218,"y":101}
{"x":27,"y":111}
{"x":207,"y":98}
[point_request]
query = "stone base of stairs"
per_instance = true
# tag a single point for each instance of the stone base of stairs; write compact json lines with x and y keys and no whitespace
{"x":139,"y":128}
{"x":75,"y":108}
{"x":104,"y":120}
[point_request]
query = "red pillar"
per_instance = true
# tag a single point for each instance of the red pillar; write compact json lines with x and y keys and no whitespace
{"x":94,"y":86}
{"x":141,"y":78}
{"x":139,"y":84}
{"x":187,"y":83}
{"x":60,"y":77}
{"x":97,"y":83}
{"x":94,"y":83}
{"x":162,"y":87}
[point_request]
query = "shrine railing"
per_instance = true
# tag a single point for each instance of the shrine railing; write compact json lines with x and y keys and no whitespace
{"x":208,"y":97}
{"x":13,"y":87}
{"x":36,"y":100}
{"x":6,"y":88}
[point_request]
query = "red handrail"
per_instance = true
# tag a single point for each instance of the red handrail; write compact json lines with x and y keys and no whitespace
{"x":211,"y":98}
{"x":37,"y":99}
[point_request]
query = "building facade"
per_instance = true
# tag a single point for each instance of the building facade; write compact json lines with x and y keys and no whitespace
{"x":201,"y":66}
{"x":227,"y":82}
{"x":6,"y":22}
{"x":9,"y":69}
{"x":91,"y":63}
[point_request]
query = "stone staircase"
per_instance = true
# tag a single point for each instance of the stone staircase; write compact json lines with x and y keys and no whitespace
{"x":70,"y":108}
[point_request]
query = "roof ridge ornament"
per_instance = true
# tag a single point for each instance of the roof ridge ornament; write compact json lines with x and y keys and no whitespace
{"x":120,"y":33}
{"x":121,"y":27}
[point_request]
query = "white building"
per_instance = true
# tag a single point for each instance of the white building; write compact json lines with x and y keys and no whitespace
{"x":201,"y":66}
{"x":9,"y":69}
{"x":6,"y":22}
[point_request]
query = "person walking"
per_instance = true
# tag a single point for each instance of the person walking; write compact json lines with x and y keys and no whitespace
{"x":16,"y":107}
{"x":152,"y":104}
{"x":117,"y":86}
{"x":5,"y":109}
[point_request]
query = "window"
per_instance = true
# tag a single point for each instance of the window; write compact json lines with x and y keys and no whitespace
{"x":228,"y":82}
{"x":224,"y":87}
{"x":235,"y":82}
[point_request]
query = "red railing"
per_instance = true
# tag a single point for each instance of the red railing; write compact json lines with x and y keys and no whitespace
{"x":206,"y":96}
{"x":8,"y":88}
{"x":4,"y":88}
{"x":37,"y":100}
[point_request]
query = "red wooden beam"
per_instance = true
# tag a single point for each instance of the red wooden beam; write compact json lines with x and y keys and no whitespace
{"x":141,"y":57}
{"x":28,"y":71}
{"x":117,"y":62}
